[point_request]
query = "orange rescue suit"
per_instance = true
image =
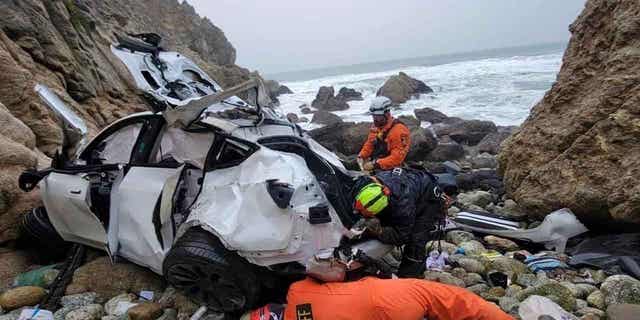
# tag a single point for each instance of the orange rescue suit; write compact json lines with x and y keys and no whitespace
{"x":394,"y":140}
{"x":385,"y":299}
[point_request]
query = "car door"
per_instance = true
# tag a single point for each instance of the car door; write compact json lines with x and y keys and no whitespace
{"x":142,"y":227}
{"x":77,"y":197}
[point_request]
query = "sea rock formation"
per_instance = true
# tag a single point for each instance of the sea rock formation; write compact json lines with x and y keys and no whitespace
{"x":65,"y":45}
{"x":348,"y":94}
{"x":401,"y":87}
{"x":580,"y":146}
{"x":327,"y":101}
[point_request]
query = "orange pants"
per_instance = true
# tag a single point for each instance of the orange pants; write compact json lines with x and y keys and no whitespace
{"x":398,"y":299}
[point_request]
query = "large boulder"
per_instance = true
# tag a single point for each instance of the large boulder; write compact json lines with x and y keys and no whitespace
{"x":348,"y":94}
{"x":446,"y":149}
{"x":430,"y":115}
{"x":491,"y":142}
{"x":469,"y":132}
{"x":621,"y":289}
{"x":344,"y":137}
{"x":326,"y":101}
{"x":580,"y":146}
{"x":109,"y":280}
{"x":325,"y":117}
{"x":401,"y":87}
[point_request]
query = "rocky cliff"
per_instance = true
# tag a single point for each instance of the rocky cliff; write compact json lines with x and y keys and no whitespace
{"x":580,"y":146}
{"x":65,"y":45}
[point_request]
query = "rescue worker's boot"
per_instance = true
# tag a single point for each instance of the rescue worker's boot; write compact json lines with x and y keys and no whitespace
{"x":413,"y":259}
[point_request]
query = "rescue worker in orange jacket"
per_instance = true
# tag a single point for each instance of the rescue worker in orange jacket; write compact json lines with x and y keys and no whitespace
{"x":388,"y":142}
{"x":379,"y":299}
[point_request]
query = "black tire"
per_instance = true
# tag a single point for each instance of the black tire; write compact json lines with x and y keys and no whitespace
{"x":204,"y":269}
{"x":39,"y":233}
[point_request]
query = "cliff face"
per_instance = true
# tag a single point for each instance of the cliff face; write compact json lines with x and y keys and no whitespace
{"x":65,"y":45}
{"x":580,"y":146}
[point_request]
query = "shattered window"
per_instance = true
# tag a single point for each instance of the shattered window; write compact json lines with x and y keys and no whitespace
{"x":117,"y":147}
{"x":183,"y":147}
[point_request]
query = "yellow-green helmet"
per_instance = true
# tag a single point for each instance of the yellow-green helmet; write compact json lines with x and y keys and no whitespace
{"x":371,"y":199}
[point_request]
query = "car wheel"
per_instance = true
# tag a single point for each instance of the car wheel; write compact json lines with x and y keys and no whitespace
{"x":204,"y":269}
{"x":37,"y":231}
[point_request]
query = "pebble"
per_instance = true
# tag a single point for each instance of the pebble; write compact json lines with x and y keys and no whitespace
{"x":581,"y":304}
{"x":444,"y":277}
{"x":501,"y":243}
{"x":596,"y":300}
{"x":526,"y":279}
{"x":619,"y":289}
{"x":554,"y":291}
{"x":479,"y":288}
{"x":13,"y":315}
{"x":590,"y":311}
{"x":445,"y":246}
{"x":472,"y":247}
{"x":78,"y":300}
{"x":458,"y":273}
{"x":458,"y":236}
{"x":21,"y":297}
{"x":145,"y":311}
{"x":512,"y":290}
{"x":471,"y":265}
{"x":508,"y":304}
{"x":88,"y":312}
{"x":169,"y":314}
{"x":472,"y":279}
{"x":479,"y":198}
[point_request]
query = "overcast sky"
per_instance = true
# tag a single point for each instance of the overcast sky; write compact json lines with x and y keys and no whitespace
{"x":285,"y":35}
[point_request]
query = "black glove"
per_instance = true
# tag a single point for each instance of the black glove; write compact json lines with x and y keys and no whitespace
{"x":373,"y":227}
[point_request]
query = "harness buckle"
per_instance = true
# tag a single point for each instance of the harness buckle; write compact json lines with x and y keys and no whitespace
{"x":397,"y":171}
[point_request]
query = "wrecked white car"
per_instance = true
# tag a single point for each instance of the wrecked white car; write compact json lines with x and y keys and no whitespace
{"x":222,"y":197}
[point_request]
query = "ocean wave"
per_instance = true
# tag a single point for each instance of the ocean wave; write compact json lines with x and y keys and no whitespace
{"x":501,"y":90}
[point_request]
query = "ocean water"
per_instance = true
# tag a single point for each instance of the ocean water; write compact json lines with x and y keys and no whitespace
{"x":500,"y":86}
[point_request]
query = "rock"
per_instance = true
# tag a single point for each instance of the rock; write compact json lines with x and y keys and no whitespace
{"x":452,"y":211}
{"x":491,"y":142}
{"x":13,"y":315}
{"x":12,"y":263}
{"x":306,"y":110}
{"x":443,"y":277}
{"x":484,"y":160}
{"x":282,"y":89}
{"x":348,"y":94}
{"x":471,"y":279}
{"x":584,"y":290}
{"x":623,"y":311}
{"x":444,"y":151}
{"x":621,"y":289}
{"x":78,"y":300}
{"x":479,"y":198}
{"x":479,"y":288}
{"x":526,"y":279}
{"x":508,"y":304}
{"x":429,"y":115}
{"x":572,"y":287}
{"x":343,"y":137}
{"x":581,"y":304}
{"x":177,"y":300}
{"x":501,"y":243}
{"x":88,"y":312}
{"x":483,"y":179}
{"x":401,"y":87}
{"x":422,"y":143}
{"x":511,"y":209}
{"x":472,"y":248}
{"x":554,"y":291}
{"x":145,"y":311}
{"x":21,"y":297}
{"x":326,"y":101}
{"x":169,"y":314}
{"x":469,"y":132}
{"x":512,"y":290}
{"x":471,"y":265}
{"x":586,"y":127}
{"x":590,"y":311}
{"x":447,"y":247}
{"x":324,"y":117}
{"x":494,"y":294}
{"x":111,"y":307}
{"x":458,"y":273}
{"x":123,"y":277}
{"x":509,"y":266}
{"x":293,"y":117}
{"x":457,"y":236}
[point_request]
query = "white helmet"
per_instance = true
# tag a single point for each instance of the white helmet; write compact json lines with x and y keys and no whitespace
{"x":380,"y":105}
